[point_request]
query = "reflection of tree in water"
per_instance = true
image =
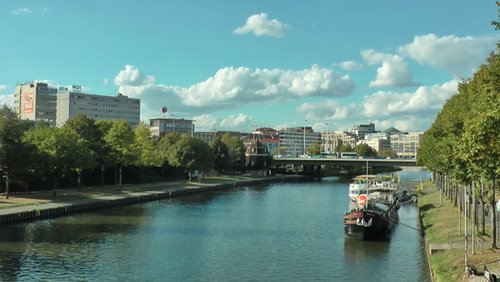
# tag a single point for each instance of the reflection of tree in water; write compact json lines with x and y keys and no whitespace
{"x":49,"y":241}
{"x":206,"y":197}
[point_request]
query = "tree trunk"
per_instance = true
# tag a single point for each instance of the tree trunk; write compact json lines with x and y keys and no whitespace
{"x":102,"y":176}
{"x":120,"y":177}
{"x":483,"y":221}
{"x":79,"y":172}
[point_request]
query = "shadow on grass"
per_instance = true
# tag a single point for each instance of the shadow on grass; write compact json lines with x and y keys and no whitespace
{"x":427,"y":207}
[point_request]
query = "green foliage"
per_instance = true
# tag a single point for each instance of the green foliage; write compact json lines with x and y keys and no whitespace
{"x":220,"y":154}
{"x":384,"y":153}
{"x":146,"y":146}
{"x":314,"y":149}
{"x":191,"y":154}
{"x":121,"y":140}
{"x":345,"y":148}
{"x":364,"y":150}
{"x":236,"y":152}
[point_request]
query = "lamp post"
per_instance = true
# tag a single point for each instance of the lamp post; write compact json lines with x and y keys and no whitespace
{"x":327,"y":137}
{"x":173,"y":128}
{"x":305,"y":136}
{"x":6,"y":176}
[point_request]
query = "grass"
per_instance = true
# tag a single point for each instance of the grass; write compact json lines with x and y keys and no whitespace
{"x":441,"y":221}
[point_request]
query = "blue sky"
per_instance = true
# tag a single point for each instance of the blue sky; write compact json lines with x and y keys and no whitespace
{"x":232,"y":65}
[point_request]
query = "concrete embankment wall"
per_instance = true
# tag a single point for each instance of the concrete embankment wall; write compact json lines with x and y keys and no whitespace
{"x":29,"y":213}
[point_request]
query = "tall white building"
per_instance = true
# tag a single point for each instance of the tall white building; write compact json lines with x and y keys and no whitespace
{"x":36,"y":101}
{"x":97,"y":107}
{"x":297,"y":140}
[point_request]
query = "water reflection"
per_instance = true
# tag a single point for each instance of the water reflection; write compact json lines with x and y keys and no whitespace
{"x":284,"y":232}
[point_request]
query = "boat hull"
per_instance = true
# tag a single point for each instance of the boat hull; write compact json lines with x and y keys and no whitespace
{"x":369,"y":225}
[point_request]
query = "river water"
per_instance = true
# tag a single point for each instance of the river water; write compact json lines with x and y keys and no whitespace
{"x":276,"y":232}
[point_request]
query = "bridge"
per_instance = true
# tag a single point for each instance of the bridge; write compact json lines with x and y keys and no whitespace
{"x":344,"y":162}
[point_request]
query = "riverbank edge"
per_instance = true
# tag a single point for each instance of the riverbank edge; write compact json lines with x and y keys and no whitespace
{"x":430,"y":187}
{"x":61,"y":208}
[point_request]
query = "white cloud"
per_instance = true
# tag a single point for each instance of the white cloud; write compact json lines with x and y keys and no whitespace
{"x":234,"y":86}
{"x":459,"y":55}
{"x":327,"y":111}
{"x":7,"y":100}
{"x":351,"y":65}
{"x":424,"y":100}
{"x":131,"y":76}
{"x":240,"y":120}
{"x":260,"y":25}
{"x":3,"y":87}
{"x":205,"y":122}
{"x":105,"y":82}
{"x":20,"y":11}
{"x":393,"y":72}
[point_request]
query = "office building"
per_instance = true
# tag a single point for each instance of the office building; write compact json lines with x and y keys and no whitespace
{"x":296,"y":141}
{"x":406,"y":145}
{"x":97,"y":107}
{"x":161,"y":126}
{"x":332,"y":141}
{"x":36,"y":101}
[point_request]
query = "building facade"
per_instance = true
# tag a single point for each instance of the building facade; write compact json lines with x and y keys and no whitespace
{"x":36,"y":101}
{"x":331,"y":141}
{"x":378,"y":141}
{"x":161,"y":126}
{"x":406,"y":145}
{"x":97,"y":107}
{"x":296,"y":141}
{"x":362,"y":129}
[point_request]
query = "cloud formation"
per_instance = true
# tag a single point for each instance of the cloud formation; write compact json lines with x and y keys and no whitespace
{"x":234,"y":86}
{"x":260,"y":25}
{"x":351,"y":65}
{"x":458,"y":55}
{"x":394,"y":71}
{"x":425,"y":99}
{"x":20,"y":11}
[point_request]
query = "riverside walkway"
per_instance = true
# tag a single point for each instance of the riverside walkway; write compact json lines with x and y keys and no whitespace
{"x":44,"y":204}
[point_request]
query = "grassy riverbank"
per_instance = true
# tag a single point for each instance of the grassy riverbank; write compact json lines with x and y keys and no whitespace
{"x":441,"y":225}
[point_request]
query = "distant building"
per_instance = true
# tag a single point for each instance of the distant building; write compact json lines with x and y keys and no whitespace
{"x":406,"y":145}
{"x":378,"y":141}
{"x":97,"y":107}
{"x":36,"y":101}
{"x":206,"y":136}
{"x":296,"y":141}
{"x":331,"y":141}
{"x":161,"y":126}
{"x":362,"y":129}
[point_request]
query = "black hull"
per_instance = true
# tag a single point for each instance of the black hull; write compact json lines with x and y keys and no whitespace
{"x":369,"y":225}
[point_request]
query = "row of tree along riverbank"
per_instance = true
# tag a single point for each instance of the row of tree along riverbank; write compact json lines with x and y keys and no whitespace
{"x":454,"y":245}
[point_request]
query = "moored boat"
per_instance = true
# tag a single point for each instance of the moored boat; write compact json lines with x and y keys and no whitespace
{"x":372,"y":208}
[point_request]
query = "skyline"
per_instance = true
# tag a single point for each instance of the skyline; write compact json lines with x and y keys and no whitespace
{"x":233,"y":65}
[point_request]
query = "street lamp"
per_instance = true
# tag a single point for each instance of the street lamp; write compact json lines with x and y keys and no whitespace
{"x":327,"y":137}
{"x":173,"y":128}
{"x":6,"y":176}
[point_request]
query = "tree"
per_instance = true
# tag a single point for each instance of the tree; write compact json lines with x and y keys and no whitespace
{"x":220,"y":154}
{"x":496,"y":24}
{"x":191,"y":154}
{"x":314,"y":149}
{"x":121,"y":140}
{"x":345,"y":148}
{"x":384,"y":153}
{"x":148,"y":155}
{"x":60,"y":149}
{"x":364,"y":150}
{"x":91,"y":135}
{"x":14,"y":153}
{"x":236,"y":152}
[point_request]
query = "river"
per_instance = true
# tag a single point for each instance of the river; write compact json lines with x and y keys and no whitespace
{"x":275,"y":232}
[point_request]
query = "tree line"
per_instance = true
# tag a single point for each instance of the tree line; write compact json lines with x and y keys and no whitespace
{"x":36,"y":156}
{"x":462,"y":146}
